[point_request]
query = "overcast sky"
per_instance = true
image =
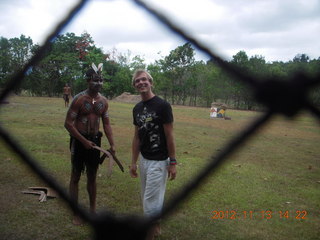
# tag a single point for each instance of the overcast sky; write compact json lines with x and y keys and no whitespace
{"x":275,"y":29}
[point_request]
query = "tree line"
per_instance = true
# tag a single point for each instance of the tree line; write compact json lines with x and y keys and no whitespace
{"x":178,"y":77}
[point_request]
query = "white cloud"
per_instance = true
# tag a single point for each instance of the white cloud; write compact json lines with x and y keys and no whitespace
{"x":276,"y":29}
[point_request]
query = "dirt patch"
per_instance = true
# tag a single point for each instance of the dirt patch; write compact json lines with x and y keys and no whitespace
{"x":128,"y":98}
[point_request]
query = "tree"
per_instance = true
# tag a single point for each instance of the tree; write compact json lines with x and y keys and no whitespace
{"x":65,"y":62}
{"x":20,"y":51}
{"x":277,"y":70}
{"x":196,"y":82}
{"x":59,"y":66}
{"x":314,"y":71}
{"x":241,"y":61}
{"x":177,"y":77}
{"x":301,"y":58}
{"x":15,"y":53}
{"x":160,"y":79}
{"x":300,"y":63}
{"x":137,"y":62}
{"x":176,"y":66}
{"x":5,"y":60}
{"x":121,"y":82}
{"x":83,"y":44}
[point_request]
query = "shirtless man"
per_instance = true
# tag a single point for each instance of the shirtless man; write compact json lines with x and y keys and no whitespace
{"x":66,"y":94}
{"x":82,"y":122}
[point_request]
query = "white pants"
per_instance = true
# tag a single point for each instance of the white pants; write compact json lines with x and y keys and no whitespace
{"x":153,"y":175}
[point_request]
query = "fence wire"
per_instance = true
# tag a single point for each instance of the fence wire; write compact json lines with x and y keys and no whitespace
{"x":279,"y":96}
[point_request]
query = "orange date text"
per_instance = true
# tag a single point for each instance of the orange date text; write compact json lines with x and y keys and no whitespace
{"x":263,"y":214}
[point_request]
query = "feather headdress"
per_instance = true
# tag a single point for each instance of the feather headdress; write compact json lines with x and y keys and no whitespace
{"x":98,"y":69}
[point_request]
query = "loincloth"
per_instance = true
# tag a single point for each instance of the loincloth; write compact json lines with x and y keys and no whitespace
{"x":85,"y":159}
{"x":66,"y":97}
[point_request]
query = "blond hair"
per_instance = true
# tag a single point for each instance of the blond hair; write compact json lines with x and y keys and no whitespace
{"x":138,"y":72}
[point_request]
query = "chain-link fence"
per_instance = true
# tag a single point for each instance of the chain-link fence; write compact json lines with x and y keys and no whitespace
{"x":279,"y":96}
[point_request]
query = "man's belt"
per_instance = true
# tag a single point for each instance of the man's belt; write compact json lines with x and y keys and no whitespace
{"x":111,"y":155}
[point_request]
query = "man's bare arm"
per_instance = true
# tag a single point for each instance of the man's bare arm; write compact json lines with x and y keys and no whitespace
{"x":168,"y":130}
{"x":107,"y":128}
{"x":135,"y":153}
{"x":71,"y":117}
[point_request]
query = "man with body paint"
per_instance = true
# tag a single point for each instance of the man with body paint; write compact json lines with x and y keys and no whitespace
{"x":82,"y":122}
{"x":66,"y":94}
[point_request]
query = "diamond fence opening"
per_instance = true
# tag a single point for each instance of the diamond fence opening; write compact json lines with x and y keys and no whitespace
{"x":279,"y":97}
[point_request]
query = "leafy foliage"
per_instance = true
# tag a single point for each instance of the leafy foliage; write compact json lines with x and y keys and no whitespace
{"x":178,"y":77}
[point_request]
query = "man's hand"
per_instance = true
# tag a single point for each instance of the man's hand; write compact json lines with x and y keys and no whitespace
{"x":113,"y":149}
{"x":172,"y":172}
{"x":133,"y":171}
{"x":88,"y":144}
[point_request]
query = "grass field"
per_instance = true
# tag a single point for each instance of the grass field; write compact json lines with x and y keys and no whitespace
{"x":270,"y":189}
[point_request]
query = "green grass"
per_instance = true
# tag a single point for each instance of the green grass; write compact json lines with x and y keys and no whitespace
{"x":278,"y":169}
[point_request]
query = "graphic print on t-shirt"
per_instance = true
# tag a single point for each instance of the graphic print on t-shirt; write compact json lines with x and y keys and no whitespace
{"x":146,"y":122}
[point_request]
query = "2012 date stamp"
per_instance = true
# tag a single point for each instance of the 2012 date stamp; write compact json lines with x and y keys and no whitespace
{"x":265,"y":214}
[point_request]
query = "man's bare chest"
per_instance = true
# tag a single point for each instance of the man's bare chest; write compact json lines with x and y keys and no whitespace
{"x":88,"y":107}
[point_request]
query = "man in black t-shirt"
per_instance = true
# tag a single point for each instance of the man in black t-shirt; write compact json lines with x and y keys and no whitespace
{"x":150,"y":116}
{"x":153,"y":140}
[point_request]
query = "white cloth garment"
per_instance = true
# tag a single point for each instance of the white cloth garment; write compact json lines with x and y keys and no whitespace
{"x":153,"y":176}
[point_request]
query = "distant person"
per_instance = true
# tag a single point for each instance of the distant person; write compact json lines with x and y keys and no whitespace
{"x":154,"y":141}
{"x":66,"y":94}
{"x":82,"y":122}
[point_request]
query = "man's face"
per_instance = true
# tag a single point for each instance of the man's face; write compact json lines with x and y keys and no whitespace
{"x":95,"y":83}
{"x":142,"y":83}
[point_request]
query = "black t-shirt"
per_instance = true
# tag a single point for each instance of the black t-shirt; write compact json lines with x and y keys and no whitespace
{"x":150,"y":116}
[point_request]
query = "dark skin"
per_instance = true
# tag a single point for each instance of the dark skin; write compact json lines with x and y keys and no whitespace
{"x":84,"y":117}
{"x":66,"y":92}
